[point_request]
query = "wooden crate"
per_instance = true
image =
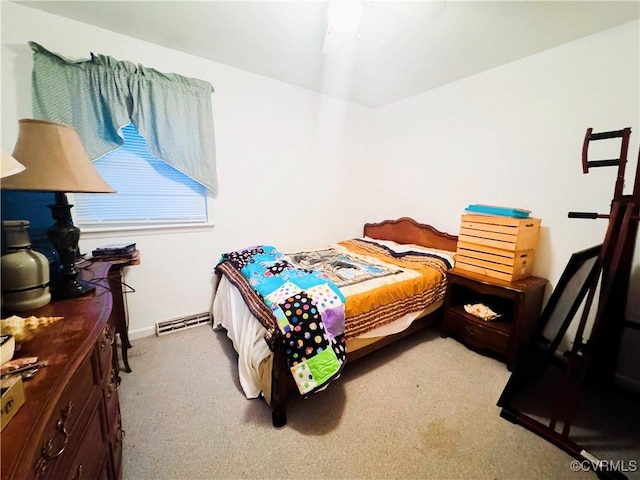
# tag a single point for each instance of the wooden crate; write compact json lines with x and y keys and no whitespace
{"x":506,"y":265}
{"x":505,"y":233}
{"x":499,"y":247}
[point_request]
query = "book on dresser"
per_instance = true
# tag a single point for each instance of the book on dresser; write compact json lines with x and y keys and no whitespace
{"x":133,"y":257}
{"x":114,"y":249}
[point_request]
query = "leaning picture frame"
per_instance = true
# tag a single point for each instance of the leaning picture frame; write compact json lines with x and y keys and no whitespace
{"x":559,"y":312}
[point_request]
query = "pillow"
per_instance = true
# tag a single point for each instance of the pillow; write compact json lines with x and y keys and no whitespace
{"x":409,"y":247}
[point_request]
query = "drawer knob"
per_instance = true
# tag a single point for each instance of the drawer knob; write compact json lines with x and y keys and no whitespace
{"x":78,"y":474}
{"x":113,"y":385}
{"x":471,"y":330}
{"x":107,"y":338}
{"x":119,"y":434}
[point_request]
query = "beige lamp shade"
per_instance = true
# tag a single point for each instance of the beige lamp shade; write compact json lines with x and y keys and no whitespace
{"x":55,"y":160}
{"x":9,"y":166}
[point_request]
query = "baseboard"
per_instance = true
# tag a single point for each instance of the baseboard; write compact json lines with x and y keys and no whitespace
{"x":142,"y":332}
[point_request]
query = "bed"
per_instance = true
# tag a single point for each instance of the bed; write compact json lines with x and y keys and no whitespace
{"x":366,"y":271}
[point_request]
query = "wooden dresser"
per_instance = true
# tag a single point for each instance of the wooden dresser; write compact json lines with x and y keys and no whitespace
{"x":69,"y":426}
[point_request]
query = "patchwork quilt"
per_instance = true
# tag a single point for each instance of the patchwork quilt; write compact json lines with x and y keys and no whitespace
{"x":379,"y":284}
{"x":341,"y":266}
{"x":307,"y":307}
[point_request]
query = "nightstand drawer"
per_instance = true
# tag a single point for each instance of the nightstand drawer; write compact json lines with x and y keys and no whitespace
{"x":477,"y":333}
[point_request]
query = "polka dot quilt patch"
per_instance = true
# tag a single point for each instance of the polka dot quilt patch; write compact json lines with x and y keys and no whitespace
{"x":309,"y":311}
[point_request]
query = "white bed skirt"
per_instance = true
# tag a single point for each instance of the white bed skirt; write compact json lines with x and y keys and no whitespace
{"x":247,"y":334}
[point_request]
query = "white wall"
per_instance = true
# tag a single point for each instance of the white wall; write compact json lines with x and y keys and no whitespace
{"x":267,"y":133}
{"x":513,"y":136}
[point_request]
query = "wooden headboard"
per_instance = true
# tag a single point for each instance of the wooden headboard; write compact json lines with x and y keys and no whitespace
{"x":407,"y":230}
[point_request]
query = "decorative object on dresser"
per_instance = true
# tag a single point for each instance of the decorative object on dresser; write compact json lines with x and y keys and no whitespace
{"x":501,"y":244}
{"x":69,"y":425}
{"x":24,"y":329}
{"x":56,"y":161}
{"x":25,"y":272}
{"x":517,"y":306}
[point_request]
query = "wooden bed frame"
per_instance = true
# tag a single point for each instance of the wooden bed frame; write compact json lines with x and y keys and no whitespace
{"x":403,"y":230}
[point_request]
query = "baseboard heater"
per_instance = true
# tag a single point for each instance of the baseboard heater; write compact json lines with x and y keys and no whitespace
{"x":182,"y":323}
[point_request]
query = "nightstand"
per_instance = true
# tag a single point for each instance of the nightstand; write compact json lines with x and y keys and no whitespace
{"x":519,"y":303}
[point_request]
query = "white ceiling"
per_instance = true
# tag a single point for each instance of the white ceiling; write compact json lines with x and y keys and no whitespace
{"x":404,"y":47}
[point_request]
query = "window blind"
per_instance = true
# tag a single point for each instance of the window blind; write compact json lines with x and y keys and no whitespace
{"x":149,"y":191}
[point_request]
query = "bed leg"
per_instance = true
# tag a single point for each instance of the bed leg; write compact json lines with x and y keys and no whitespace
{"x":280,"y":377}
{"x":279,"y":417}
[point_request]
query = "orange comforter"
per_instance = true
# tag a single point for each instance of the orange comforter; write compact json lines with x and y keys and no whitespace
{"x":419,"y":281}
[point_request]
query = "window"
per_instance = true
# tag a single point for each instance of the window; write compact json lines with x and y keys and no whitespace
{"x":173,"y":113}
{"x":150,"y":192}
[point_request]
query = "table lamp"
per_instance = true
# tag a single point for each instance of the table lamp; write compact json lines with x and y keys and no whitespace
{"x":9,"y":166}
{"x":56,"y":161}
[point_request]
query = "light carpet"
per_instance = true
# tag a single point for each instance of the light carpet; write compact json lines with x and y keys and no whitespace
{"x":424,"y":407}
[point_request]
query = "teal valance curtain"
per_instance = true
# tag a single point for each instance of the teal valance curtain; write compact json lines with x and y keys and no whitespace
{"x":99,"y":95}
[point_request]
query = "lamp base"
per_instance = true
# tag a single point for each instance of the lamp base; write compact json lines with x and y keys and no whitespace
{"x":64,"y":236}
{"x":72,"y":288}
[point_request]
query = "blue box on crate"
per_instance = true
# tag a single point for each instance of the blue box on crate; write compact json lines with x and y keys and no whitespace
{"x":500,"y":211}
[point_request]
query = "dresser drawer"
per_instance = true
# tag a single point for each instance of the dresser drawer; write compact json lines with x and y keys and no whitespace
{"x":473,"y":332}
{"x":85,"y":461}
{"x":61,"y":432}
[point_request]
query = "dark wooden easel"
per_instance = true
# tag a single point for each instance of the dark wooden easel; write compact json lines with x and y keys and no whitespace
{"x":617,"y":256}
{"x":593,"y":356}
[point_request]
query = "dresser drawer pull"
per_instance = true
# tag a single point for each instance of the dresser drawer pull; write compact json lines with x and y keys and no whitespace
{"x":107,"y":338}
{"x":471,"y":330}
{"x":47,"y":453}
{"x":113,"y":385}
{"x":78,"y":474}
{"x":62,"y":427}
{"x":119,"y":434}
